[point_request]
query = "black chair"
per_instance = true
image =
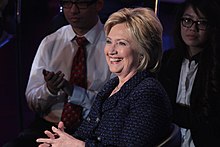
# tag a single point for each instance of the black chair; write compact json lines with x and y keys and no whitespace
{"x":174,"y":140}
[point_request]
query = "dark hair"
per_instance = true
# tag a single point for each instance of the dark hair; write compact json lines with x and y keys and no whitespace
{"x":209,"y":8}
{"x":209,"y":64}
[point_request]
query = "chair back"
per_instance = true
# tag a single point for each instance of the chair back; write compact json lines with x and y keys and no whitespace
{"x":174,"y":139}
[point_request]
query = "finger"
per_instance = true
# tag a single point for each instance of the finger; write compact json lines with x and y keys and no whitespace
{"x":59,"y":81}
{"x":59,"y":72}
{"x":49,"y":76}
{"x":60,"y":133}
{"x":54,"y":78}
{"x":61,"y":126}
{"x":44,"y":145}
{"x":49,"y":134}
{"x":44,"y":140}
{"x":45,"y":72}
{"x":57,"y":131}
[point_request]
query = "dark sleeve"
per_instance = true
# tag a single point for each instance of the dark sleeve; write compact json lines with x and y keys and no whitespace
{"x":214,"y":87}
{"x":149,"y":116}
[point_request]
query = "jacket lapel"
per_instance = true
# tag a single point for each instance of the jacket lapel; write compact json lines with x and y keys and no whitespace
{"x":111,"y":102}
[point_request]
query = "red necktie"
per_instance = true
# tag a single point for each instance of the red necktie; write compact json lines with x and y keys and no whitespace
{"x":72,"y":113}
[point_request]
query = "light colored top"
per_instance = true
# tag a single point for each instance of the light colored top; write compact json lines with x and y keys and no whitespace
{"x":56,"y":53}
{"x":187,"y":77}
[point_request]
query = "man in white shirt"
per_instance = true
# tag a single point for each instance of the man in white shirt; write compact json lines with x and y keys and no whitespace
{"x":55,"y":54}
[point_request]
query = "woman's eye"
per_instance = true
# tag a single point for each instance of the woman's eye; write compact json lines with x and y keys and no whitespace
{"x":188,"y":20}
{"x":108,"y":42}
{"x":122,"y":43}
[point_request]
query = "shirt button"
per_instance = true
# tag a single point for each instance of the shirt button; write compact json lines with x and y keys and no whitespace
{"x":88,"y":119}
{"x":97,"y":120}
{"x":99,"y":138}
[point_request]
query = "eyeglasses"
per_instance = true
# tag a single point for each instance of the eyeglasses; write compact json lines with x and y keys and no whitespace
{"x":188,"y":22}
{"x":79,"y":4}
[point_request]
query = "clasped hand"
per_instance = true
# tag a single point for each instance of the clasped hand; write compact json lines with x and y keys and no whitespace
{"x":59,"y":138}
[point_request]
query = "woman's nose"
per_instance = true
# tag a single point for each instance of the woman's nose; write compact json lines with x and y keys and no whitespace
{"x":194,"y":27}
{"x":112,"y":50}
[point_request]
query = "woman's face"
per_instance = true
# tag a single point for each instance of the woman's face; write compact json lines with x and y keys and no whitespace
{"x":121,"y":52}
{"x":194,"y":36}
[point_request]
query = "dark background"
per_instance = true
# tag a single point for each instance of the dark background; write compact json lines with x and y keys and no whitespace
{"x":29,"y":27}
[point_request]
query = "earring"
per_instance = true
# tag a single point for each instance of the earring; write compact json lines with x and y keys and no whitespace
{"x":141,"y":58}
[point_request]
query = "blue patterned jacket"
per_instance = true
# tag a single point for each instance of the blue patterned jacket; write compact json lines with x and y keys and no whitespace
{"x":138,"y":115}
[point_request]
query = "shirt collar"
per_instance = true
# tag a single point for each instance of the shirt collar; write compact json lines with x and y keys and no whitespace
{"x":195,"y":58}
{"x":90,"y":35}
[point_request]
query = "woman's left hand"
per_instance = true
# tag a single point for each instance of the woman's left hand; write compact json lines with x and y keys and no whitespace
{"x":63,"y":139}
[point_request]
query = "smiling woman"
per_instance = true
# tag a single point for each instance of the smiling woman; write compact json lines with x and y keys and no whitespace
{"x":121,"y":54}
{"x":132,"y":109}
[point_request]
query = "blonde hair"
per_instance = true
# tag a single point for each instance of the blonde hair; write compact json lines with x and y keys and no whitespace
{"x":146,"y":30}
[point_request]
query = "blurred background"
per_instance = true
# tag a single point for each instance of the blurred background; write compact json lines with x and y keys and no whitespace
{"x":23,"y":24}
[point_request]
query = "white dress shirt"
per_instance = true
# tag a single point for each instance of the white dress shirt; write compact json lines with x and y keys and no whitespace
{"x":187,"y":77}
{"x":56,"y":53}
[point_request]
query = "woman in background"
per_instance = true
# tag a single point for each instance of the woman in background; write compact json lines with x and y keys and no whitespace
{"x":190,"y":73}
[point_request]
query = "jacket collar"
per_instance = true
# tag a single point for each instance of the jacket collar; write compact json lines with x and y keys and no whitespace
{"x":126,"y":89}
